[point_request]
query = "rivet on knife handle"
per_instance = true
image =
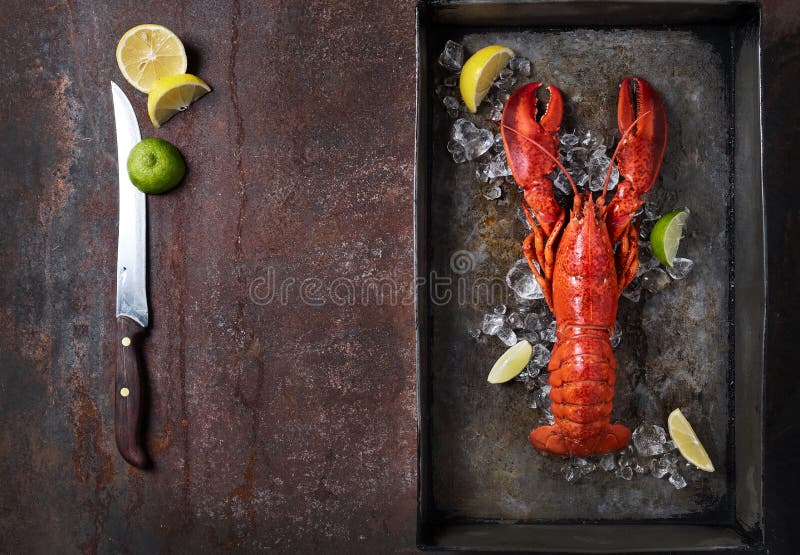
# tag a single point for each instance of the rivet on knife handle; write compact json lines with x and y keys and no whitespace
{"x":128,"y":392}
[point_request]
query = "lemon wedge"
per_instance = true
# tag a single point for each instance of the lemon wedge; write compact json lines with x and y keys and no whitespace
{"x":149,"y":52}
{"x":480,"y":71}
{"x":173,"y":94}
{"x":684,"y":437}
{"x":511,"y":363}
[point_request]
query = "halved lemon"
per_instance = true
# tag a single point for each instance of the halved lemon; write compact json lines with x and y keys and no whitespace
{"x":511,"y":363}
{"x":173,"y":94}
{"x":480,"y":71}
{"x":684,"y":437}
{"x":149,"y":52}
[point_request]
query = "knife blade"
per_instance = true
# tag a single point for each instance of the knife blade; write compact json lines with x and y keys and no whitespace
{"x":131,"y":310}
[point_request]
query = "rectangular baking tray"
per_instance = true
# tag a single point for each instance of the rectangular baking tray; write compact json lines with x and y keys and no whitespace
{"x":481,"y":486}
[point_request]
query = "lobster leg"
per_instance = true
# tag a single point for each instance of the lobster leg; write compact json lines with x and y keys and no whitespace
{"x":539,"y":251}
{"x":643,"y":123}
{"x":628,"y":256}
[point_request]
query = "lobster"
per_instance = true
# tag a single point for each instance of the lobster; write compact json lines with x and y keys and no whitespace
{"x":583,"y":259}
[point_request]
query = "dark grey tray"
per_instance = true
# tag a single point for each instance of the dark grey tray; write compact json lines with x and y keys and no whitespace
{"x":698,"y":345}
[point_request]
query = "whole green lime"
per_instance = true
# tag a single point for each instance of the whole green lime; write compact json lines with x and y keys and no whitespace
{"x":155,"y":166}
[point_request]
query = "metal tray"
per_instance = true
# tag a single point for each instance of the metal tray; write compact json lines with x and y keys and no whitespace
{"x":698,"y":345}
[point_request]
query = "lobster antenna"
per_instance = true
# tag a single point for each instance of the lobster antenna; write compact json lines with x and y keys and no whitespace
{"x":553,"y":158}
{"x":616,"y":152}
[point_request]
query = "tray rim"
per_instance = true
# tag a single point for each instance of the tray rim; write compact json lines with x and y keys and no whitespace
{"x":746,"y":14}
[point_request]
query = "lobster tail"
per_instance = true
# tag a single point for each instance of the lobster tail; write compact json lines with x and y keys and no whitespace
{"x":582,"y":380}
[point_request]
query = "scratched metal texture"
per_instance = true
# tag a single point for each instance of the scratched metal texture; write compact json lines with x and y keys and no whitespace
{"x":284,"y":429}
{"x":675,"y":350}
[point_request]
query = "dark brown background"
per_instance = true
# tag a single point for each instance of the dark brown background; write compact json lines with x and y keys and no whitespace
{"x":289,"y":428}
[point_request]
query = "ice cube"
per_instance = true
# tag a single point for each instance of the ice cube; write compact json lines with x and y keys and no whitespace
{"x":671,"y":460}
{"x":457,"y":150}
{"x":536,"y":322}
{"x":452,"y":57}
{"x":549,"y":333}
{"x":582,"y":182}
{"x":568,"y":139}
{"x":647,"y":261}
{"x":521,"y":66}
{"x":482,"y":172}
{"x":655,"y":280}
{"x":475,"y":333}
{"x":649,"y":440}
{"x":475,"y":141}
{"x":492,"y":323}
{"x":650,"y":212}
{"x":450,"y":103}
{"x":507,"y":336}
{"x":562,"y":183}
{"x":607,"y":462}
{"x":533,"y":370}
{"x":520,"y":279}
{"x":616,"y":337}
{"x":451,"y":81}
{"x":498,"y":143}
{"x":659,"y":467}
{"x":584,"y":466}
{"x":677,"y":481}
{"x":515,"y":321}
{"x":569,"y":472}
{"x":613,"y":180}
{"x":500,"y":309}
{"x":639,"y":468}
{"x":493,"y":193}
{"x":627,"y":456}
{"x":496,"y":114}
{"x":539,"y":398}
{"x":540,"y":356}
{"x":498,"y":167}
{"x":625,"y":472}
{"x":680,"y":268}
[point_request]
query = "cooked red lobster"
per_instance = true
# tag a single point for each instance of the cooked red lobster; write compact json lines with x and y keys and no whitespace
{"x":574,"y":259}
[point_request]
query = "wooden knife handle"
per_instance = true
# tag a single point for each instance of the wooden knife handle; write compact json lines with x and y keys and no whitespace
{"x":128,"y":393}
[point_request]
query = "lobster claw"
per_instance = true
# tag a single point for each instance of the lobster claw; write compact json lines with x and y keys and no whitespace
{"x":643,"y":125}
{"x":525,"y":138}
{"x":521,"y":129}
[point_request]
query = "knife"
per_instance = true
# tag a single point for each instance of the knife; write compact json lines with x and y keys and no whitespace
{"x":131,"y":291}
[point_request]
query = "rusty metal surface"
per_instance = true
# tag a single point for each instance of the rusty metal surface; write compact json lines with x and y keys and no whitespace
{"x":281,"y":427}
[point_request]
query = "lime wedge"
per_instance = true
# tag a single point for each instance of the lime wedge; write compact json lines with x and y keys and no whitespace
{"x":511,"y":363}
{"x":684,"y":437}
{"x":666,"y":235}
{"x":480,"y":71}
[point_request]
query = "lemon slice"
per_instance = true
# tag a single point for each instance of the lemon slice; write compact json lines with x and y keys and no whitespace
{"x":684,"y":437}
{"x":511,"y":363}
{"x":173,"y":94}
{"x":667,"y":234}
{"x":480,"y":71}
{"x":149,"y":52}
